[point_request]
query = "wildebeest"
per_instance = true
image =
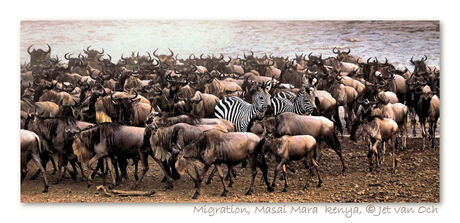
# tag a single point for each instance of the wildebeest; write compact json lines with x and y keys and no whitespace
{"x":215,"y":147}
{"x":321,"y":128}
{"x":289,"y":148}
{"x":31,"y":148}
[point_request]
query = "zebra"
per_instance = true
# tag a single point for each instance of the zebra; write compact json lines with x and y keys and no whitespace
{"x":241,"y":113}
{"x":302,"y":103}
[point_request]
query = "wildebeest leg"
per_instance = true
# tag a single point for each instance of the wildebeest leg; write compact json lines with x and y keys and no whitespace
{"x":394,"y":144}
{"x":413,"y":121}
{"x":169,"y":180}
{"x":24,"y":169}
{"x":422,"y":125}
{"x":211,"y":175}
{"x":90,"y":168}
{"x":145,"y":167}
{"x":221,"y":175}
{"x":81,"y":170}
{"x":37,"y":161}
{"x":74,"y":168}
{"x":230,"y":175}
{"x":50,"y":156}
{"x":264,"y":168}
{"x":370,"y":155}
{"x":111,"y":170}
{"x":317,"y":173}
{"x":277,"y":169}
{"x":122,"y":163}
{"x":60,"y":167}
{"x":44,"y":158}
{"x":200,"y":179}
{"x":253,"y":163}
{"x":285,"y":178}
{"x":136,"y":168}
{"x":99,"y":167}
{"x":334,"y":143}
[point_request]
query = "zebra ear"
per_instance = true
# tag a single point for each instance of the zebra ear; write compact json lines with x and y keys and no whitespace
{"x":269,"y":86}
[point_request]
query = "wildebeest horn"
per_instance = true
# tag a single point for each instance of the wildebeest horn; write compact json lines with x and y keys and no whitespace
{"x":28,"y":49}
{"x":334,"y":50}
{"x":368,"y":60}
{"x":320,"y":57}
{"x":252,"y":53}
{"x":386,"y":61}
{"x":411,"y":60}
{"x":100,"y":52}
{"x":229,"y":60}
{"x":110,"y":58}
{"x":87,"y":48}
{"x":309,"y":55}
{"x":424,"y":58}
{"x":405,"y":69}
{"x":65,"y":56}
{"x":172,"y":53}
{"x":134,"y":96}
{"x":157,"y":62}
{"x":155,"y":52}
{"x":221,"y":56}
{"x":49,"y":49}
{"x":376,"y":60}
{"x":201,"y":56}
{"x":348,"y":51}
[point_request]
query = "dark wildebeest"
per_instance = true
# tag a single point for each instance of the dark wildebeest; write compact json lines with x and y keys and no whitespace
{"x":320,"y":127}
{"x":215,"y":147}
{"x":53,"y":133}
{"x":31,"y":148}
{"x":106,"y":140}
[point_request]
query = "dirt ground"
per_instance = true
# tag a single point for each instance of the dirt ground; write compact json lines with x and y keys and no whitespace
{"x":416,"y":179}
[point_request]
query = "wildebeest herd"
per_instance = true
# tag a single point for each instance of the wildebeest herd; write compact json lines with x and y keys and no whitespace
{"x":215,"y":110}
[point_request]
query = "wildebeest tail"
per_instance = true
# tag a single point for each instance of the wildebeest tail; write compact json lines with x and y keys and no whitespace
{"x":337,"y":121}
{"x":39,"y":144}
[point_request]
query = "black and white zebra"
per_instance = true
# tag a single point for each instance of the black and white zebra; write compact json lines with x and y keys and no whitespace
{"x":241,"y":113}
{"x":302,"y":103}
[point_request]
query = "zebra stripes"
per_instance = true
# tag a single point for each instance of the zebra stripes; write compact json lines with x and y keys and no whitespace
{"x":301,"y":104}
{"x":241,"y":113}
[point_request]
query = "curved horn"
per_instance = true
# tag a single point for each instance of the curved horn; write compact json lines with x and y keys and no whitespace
{"x":28,"y":49}
{"x":348,"y":51}
{"x":110,"y":58}
{"x":155,"y":52}
{"x":386,"y":61}
{"x":411,"y":60}
{"x":49,"y":49}
{"x":172,"y":53}
{"x":134,"y":96}
{"x":67,"y":57}
{"x":368,"y":60}
{"x":101,"y":52}
{"x":201,"y":56}
{"x":334,"y":50}
{"x":424,"y":58}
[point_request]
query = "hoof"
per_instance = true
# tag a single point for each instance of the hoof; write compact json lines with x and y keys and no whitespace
{"x":54,"y":172}
{"x":270,"y":189}
{"x":319,"y":184}
{"x":224,"y":194}
{"x":89,"y":185}
{"x":249,"y":192}
{"x":230,"y":184}
{"x":163,"y":180}
{"x":45,"y":190}
{"x":284,"y":190}
{"x":208,"y":181}
{"x":196,"y":195}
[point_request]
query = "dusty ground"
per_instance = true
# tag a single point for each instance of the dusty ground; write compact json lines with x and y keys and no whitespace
{"x":416,"y":179}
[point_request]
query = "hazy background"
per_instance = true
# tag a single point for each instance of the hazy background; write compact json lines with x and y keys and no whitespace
{"x":396,"y":40}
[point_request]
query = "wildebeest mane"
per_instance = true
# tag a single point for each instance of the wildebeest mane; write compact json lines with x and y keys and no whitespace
{"x":170,"y":119}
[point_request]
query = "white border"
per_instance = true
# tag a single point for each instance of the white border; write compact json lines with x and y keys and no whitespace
{"x":13,"y":12}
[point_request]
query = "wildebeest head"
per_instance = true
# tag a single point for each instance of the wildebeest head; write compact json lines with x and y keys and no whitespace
{"x":341,"y":55}
{"x":419,"y":65}
{"x":93,"y":55}
{"x":38,"y":56}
